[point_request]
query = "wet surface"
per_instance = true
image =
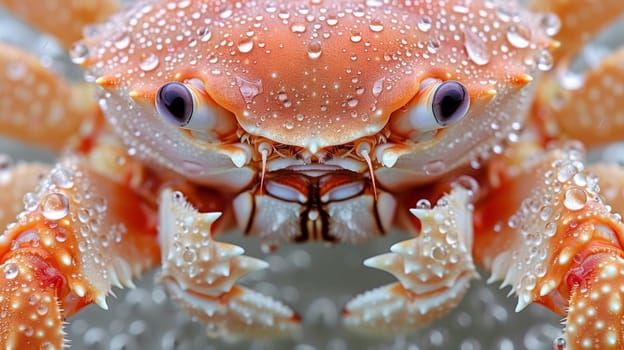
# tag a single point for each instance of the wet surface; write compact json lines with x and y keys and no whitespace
{"x":316,"y":280}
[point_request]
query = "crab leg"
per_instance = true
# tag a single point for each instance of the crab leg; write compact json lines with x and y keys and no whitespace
{"x":78,"y":235}
{"x":200,"y":274}
{"x":592,"y":113}
{"x":63,"y":19}
{"x":434,"y":271}
{"x":546,"y":232}
{"x":38,"y":106}
{"x":580,"y":21}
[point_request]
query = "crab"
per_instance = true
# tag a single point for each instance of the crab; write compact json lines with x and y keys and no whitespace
{"x":296,"y":121}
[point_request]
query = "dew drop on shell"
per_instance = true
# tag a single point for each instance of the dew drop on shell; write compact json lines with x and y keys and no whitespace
{"x":79,"y":53}
{"x":476,"y":48}
{"x":61,"y":178}
{"x":54,"y":206}
{"x":149,"y":62}
{"x":518,"y":36}
{"x":11,"y":270}
{"x":315,"y":49}
{"x":575,"y":198}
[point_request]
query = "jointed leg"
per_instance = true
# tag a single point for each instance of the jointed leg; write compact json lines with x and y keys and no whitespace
{"x":77,"y":236}
{"x":546,"y":232}
{"x":38,"y":106}
{"x":64,"y":19}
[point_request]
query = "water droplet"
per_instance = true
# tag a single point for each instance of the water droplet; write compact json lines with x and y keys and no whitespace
{"x":54,"y":206}
{"x":545,"y":60}
{"x":476,"y":48}
{"x":29,"y":331}
{"x":353,"y":102}
{"x":378,"y":86}
{"x":42,"y":309}
{"x":424,"y":24}
{"x":551,"y":24}
{"x":249,"y":88}
{"x":289,"y":125}
{"x":61,"y":236}
{"x":83,"y":215}
{"x":423,"y":203}
{"x":298,"y":28}
{"x":575,"y":198}
{"x":245,"y":45}
{"x":61,"y":178}
{"x":560,"y":343}
{"x":189,"y":255}
{"x":122,"y":42}
{"x":11,"y":270}
{"x":356,"y":36}
{"x":519,"y":36}
{"x":204,"y":34}
{"x":433,"y":45}
{"x":439,"y":253}
{"x":31,"y":201}
{"x":100,"y":204}
{"x":461,"y":9}
{"x":550,"y":229}
{"x":226,"y":13}
{"x":529,"y":282}
{"x":79,"y":52}
{"x":376,"y":25}
{"x":315,"y":49}
{"x":149,"y":62}
{"x":504,"y":14}
{"x":566,"y":172}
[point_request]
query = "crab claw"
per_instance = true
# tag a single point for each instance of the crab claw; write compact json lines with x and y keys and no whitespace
{"x":434,"y":271}
{"x":200,"y":274}
{"x":29,"y":284}
{"x":596,"y":301}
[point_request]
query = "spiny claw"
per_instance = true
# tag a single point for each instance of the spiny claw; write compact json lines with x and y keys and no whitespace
{"x":201,"y":273}
{"x":434,"y":271}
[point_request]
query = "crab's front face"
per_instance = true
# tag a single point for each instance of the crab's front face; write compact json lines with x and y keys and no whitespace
{"x":222,"y":90}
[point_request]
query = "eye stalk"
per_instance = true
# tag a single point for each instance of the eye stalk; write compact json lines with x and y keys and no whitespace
{"x":437,"y":105}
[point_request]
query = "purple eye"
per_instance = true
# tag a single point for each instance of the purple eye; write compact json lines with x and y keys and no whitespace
{"x":174,"y":102}
{"x":450,"y":103}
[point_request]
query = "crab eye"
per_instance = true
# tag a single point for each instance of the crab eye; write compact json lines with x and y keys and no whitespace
{"x":174,"y":101}
{"x":437,"y":105}
{"x":450,"y":102}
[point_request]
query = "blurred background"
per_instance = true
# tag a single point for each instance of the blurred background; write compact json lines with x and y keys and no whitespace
{"x":315,"y":279}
